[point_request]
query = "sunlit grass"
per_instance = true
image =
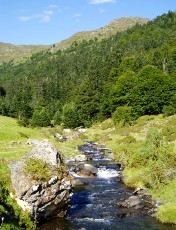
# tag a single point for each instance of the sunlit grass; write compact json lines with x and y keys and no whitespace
{"x":126,"y":144}
{"x":13,"y":138}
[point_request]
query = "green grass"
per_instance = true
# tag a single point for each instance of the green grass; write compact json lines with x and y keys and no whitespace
{"x":18,"y":53}
{"x":144,"y":150}
{"x":148,"y":153}
{"x":167,"y":214}
{"x":13,"y":138}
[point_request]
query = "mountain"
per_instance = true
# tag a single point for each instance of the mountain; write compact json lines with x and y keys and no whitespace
{"x":116,"y":25}
{"x":18,"y":52}
{"x":131,"y":72}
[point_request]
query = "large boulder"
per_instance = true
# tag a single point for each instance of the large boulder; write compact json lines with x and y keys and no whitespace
{"x":41,"y":186}
{"x":87,"y":170}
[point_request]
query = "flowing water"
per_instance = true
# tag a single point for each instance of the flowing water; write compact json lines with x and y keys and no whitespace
{"x":94,"y":206}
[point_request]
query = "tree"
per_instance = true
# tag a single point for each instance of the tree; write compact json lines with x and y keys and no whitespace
{"x":153,"y":89}
{"x":70,"y":115}
{"x":40,"y":118}
{"x":123,"y":115}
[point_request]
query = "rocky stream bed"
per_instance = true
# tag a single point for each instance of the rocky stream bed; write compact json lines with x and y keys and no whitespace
{"x":100,"y":200}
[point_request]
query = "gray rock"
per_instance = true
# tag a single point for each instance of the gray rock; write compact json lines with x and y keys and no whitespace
{"x":78,"y":182}
{"x":67,"y":130}
{"x":42,"y":199}
{"x":80,"y":158}
{"x":87,"y":170}
{"x":73,"y":136}
{"x":33,"y":141}
{"x":82,"y":130}
{"x":133,"y":201}
{"x":45,"y":152}
{"x":53,"y":180}
{"x":90,"y":168}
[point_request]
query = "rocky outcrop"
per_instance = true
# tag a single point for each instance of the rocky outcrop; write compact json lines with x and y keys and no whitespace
{"x":43,"y":197}
{"x":141,"y":202}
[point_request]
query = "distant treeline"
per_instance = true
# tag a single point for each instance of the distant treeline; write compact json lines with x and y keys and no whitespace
{"x":130,"y":74}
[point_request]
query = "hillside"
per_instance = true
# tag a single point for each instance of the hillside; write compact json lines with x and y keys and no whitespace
{"x":116,"y":25}
{"x":132,"y":72}
{"x":18,"y":52}
{"x":146,"y":149}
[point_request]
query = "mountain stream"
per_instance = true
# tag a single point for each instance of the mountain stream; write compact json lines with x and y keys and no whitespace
{"x":94,"y":205}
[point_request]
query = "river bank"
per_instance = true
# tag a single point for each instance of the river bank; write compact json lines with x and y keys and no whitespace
{"x":150,"y":164}
{"x":102,"y":201}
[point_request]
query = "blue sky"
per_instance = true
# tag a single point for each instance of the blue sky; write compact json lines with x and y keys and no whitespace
{"x":50,"y":21}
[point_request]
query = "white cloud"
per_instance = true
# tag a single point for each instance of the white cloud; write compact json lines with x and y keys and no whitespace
{"x":52,"y":6}
{"x":28,"y":18}
{"x":47,"y":12}
{"x":77,"y":15}
{"x":101,"y":1}
{"x":102,"y":10}
{"x":45,"y":17}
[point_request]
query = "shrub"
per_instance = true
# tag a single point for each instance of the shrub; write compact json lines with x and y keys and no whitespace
{"x":123,"y":115}
{"x":156,"y":174}
{"x":153,"y":137}
{"x":128,"y":140}
{"x":168,"y":110}
{"x":37,"y":169}
{"x":170,"y":133}
{"x":40,"y":118}
{"x":167,"y":214}
{"x":107,"y":124}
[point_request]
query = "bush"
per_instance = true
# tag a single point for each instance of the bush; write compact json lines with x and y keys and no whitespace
{"x":156,"y":174}
{"x":123,"y":115}
{"x":107,"y":124}
{"x":40,"y":118}
{"x":170,"y":133}
{"x":168,"y":110}
{"x":153,"y":137}
{"x":70,"y":115}
{"x":128,"y":140}
{"x":37,"y":169}
{"x":167,"y":214}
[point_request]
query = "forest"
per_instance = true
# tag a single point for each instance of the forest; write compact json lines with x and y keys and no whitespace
{"x":128,"y":75}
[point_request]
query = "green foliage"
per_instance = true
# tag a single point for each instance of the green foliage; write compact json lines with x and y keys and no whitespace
{"x":70,"y":115}
{"x":128,"y":140}
{"x":37,"y":169}
{"x":123,"y":115}
{"x":17,"y":219}
{"x":107,"y":124}
{"x":168,"y":110}
{"x":153,"y":137}
{"x":153,"y":89}
{"x":133,"y":68}
{"x":57,"y":118}
{"x":40,"y":118}
{"x":167,"y":213}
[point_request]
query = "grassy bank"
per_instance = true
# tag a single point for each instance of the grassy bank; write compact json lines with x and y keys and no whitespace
{"x":13,"y":142}
{"x":147,"y":150}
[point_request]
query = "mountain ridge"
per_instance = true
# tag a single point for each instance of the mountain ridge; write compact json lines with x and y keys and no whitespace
{"x":18,"y":53}
{"x":114,"y":26}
